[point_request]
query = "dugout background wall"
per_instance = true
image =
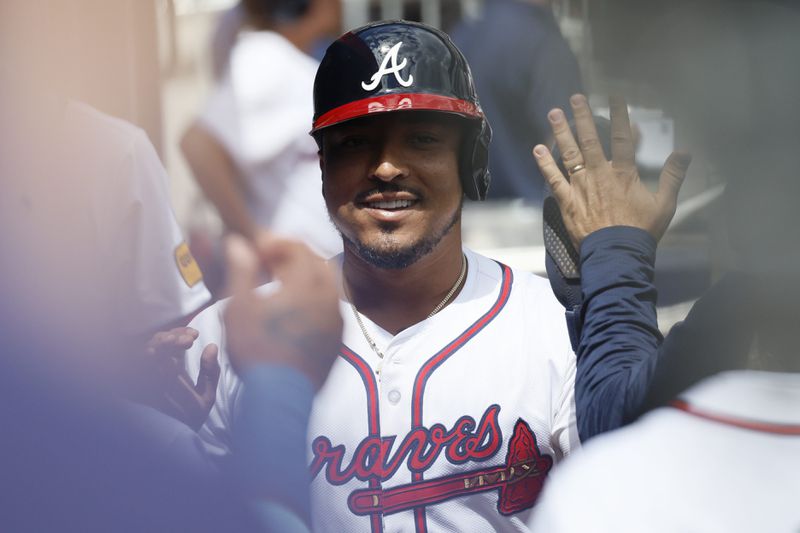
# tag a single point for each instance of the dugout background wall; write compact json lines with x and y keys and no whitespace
{"x":103,"y":52}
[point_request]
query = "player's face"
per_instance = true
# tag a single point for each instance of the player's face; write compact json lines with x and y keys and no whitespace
{"x":391,"y":184}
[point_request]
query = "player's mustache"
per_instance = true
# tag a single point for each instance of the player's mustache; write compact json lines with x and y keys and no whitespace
{"x":383,"y":187}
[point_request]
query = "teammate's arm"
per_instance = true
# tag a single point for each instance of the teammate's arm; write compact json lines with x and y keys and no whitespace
{"x":282,"y":345}
{"x":619,"y":341}
{"x":616,"y":222}
{"x":219,"y":179}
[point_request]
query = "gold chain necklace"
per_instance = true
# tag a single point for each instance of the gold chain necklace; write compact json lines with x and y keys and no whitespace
{"x":436,"y":309}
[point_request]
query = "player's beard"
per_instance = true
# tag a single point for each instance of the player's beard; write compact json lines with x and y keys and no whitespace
{"x":389,"y":255}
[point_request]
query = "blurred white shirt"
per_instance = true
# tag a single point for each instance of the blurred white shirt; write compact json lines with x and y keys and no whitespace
{"x":261,"y":112}
{"x":675,"y":471}
{"x":95,"y":224}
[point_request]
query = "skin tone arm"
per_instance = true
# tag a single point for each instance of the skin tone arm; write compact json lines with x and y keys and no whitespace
{"x":219,"y":179}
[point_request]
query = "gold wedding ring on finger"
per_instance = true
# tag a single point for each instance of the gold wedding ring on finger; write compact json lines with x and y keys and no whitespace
{"x":576,"y":168}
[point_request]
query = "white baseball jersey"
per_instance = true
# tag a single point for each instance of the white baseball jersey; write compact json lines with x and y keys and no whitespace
{"x":458,"y":430}
{"x":103,"y":206}
{"x":725,"y":459}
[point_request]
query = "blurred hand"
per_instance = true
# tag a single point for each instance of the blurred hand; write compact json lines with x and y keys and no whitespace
{"x":299,"y":325}
{"x":172,"y":390}
{"x":598,"y":193}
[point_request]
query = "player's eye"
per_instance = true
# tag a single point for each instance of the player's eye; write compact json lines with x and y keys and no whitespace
{"x":352,"y":141}
{"x":425,"y":138}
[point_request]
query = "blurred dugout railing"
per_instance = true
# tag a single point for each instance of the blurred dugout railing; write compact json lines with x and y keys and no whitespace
{"x":439,"y":13}
{"x":571,"y":14}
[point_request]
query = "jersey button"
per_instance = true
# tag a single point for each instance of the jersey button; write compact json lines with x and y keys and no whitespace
{"x":394,"y":396}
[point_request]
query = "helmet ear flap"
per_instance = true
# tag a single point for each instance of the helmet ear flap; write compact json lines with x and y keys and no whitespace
{"x":475,"y":177}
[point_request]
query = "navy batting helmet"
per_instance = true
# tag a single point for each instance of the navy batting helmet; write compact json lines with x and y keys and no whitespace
{"x":401,"y":66}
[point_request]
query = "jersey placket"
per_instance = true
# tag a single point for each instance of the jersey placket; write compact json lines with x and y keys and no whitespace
{"x":395,"y":387}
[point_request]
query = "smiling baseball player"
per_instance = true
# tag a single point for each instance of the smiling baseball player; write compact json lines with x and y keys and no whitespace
{"x":453,"y":395}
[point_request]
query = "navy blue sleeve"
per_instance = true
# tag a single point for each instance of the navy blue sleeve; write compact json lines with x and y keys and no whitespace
{"x":619,"y":339}
{"x":269,"y":434}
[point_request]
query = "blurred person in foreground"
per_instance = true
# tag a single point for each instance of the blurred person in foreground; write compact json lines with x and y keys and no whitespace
{"x":87,"y":192}
{"x":523,"y":68}
{"x":90,"y":269}
{"x":83,"y":186}
{"x":249,"y":149}
{"x":82,"y":458}
{"x":721,"y":450}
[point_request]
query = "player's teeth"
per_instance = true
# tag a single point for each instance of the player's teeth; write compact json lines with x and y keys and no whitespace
{"x":391,"y":204}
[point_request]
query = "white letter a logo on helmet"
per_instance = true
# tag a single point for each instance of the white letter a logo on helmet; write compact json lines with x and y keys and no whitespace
{"x":386,"y":69}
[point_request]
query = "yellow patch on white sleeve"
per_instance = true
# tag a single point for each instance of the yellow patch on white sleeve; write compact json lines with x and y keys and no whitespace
{"x":187,"y":266}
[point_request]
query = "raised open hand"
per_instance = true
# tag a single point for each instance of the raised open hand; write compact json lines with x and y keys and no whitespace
{"x":598,"y":193}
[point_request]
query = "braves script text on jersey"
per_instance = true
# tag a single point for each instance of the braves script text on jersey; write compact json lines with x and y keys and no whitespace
{"x":469,"y":412}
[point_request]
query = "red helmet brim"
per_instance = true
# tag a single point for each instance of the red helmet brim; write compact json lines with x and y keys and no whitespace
{"x":397,"y":102}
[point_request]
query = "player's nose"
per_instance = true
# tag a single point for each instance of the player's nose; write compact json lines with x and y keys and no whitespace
{"x":389,"y":165}
{"x":388,"y":171}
